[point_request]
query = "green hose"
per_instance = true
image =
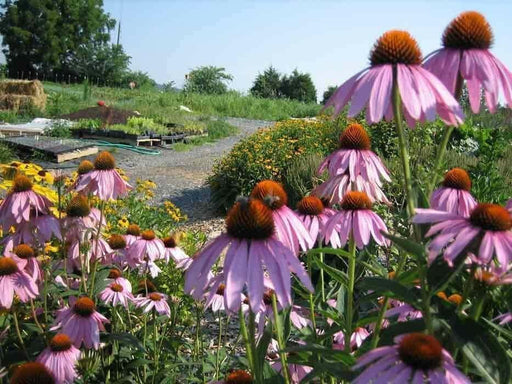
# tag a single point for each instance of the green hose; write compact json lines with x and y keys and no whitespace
{"x":142,"y":151}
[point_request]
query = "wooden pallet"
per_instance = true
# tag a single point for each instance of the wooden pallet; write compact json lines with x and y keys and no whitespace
{"x":59,"y":150}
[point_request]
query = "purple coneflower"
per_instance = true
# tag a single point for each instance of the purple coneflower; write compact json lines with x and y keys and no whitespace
{"x":15,"y":281}
{"x":357,"y":338}
{"x":155,"y":300}
{"x":104,"y":181}
{"x":466,"y":56}
{"x":117,"y":244}
{"x":356,"y":219}
{"x":314,"y":215}
{"x":404,"y":311}
{"x":24,"y":252}
{"x":297,"y":371}
{"x":80,"y":219}
{"x":492,"y":276}
{"x":288,"y":228}
{"x":486,"y":232}
{"x":238,"y":376}
{"x":396,"y":58}
{"x":415,"y":358}
{"x":216,"y":298}
{"x":60,"y":359}
{"x":116,"y":294}
{"x":132,"y":234}
{"x":172,"y":251}
{"x":20,"y":201}
{"x":32,"y":372}
{"x":84,"y":167}
{"x":81,"y":322}
{"x":454,"y":195}
{"x":38,"y":230}
{"x":148,"y":246}
{"x":115,"y":276}
{"x":252,"y":248}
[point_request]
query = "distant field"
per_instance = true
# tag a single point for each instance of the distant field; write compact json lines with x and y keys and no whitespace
{"x":155,"y":103}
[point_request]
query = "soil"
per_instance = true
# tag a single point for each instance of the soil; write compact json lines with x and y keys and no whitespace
{"x":107,"y":115}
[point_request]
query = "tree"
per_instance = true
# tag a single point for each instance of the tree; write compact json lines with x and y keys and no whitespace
{"x":107,"y":62}
{"x":267,"y":84}
{"x":207,"y":79}
{"x":45,"y":35}
{"x":298,"y":86}
{"x":328,"y":93}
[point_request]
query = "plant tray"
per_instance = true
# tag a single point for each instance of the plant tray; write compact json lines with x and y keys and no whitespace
{"x":116,"y":136}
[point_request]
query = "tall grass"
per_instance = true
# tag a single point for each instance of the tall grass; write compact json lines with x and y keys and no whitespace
{"x":166,"y":105}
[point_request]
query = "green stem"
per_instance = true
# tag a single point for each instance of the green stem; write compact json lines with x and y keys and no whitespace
{"x":248,"y":344}
{"x":258,"y":363}
{"x":97,"y":245}
{"x":404,"y":153}
{"x":280,"y":341}
{"x":322,"y":278}
{"x":219,"y":342}
{"x":155,"y":348}
{"x":18,"y":333}
{"x":378,"y":324}
{"x":350,"y":292}
{"x":425,"y":299}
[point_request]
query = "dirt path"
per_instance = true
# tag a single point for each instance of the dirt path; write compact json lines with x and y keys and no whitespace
{"x":181,"y":176}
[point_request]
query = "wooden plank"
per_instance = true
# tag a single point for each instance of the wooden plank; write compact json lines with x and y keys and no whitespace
{"x":61,"y":157}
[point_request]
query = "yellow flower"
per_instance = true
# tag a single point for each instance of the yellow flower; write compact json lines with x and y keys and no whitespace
{"x":49,"y":248}
{"x":123,"y":222}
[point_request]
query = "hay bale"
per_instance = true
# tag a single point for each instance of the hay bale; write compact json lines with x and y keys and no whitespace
{"x":22,"y":94}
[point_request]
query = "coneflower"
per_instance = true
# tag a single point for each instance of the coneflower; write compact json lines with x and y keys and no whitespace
{"x":60,"y":359}
{"x":454,"y":195}
{"x":15,"y":281}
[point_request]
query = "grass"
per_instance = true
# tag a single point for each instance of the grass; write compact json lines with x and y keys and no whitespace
{"x":217,"y":129}
{"x":165,"y":106}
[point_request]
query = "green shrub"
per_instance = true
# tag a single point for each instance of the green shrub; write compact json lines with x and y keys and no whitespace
{"x":218,"y":129}
{"x":268,"y":154}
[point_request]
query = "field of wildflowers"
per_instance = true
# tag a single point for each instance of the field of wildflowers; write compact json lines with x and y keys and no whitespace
{"x":354,"y":286}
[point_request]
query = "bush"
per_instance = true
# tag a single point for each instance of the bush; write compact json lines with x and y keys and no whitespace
{"x":268,"y":154}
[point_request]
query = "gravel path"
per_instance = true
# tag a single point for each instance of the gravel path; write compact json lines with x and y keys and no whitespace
{"x":181,"y":176}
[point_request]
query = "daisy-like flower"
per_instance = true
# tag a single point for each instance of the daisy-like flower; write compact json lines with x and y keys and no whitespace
{"x":396,"y":59}
{"x":147,"y":246}
{"x":414,"y":358}
{"x":300,"y":317}
{"x":116,"y":294}
{"x":172,"y":251}
{"x":355,"y":157}
{"x":465,"y":56}
{"x":84,"y":168}
{"x":15,"y":281}
{"x":132,"y":234}
{"x":32,"y":372}
{"x":356,"y":219}
{"x":60,"y":359}
{"x":357,"y":338}
{"x":155,"y":300}
{"x":486,"y":233}
{"x":117,"y":244}
{"x":20,"y":201}
{"x":492,"y":276}
{"x":104,"y":182}
{"x":81,"y":220}
{"x":81,"y":322}
{"x":26,"y":253}
{"x":238,"y":376}
{"x":404,"y":311}
{"x":454,"y":195}
{"x":216,"y":298}
{"x":115,"y":276}
{"x":288,"y":227}
{"x":40,"y":229}
{"x":252,"y":248}
{"x":314,"y":215}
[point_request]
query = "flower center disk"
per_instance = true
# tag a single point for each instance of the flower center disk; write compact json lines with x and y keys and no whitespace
{"x":104,"y":162}
{"x":271,"y":192}
{"x":468,"y":30}
{"x":116,"y":287}
{"x":491,"y":217}
{"x":117,"y":242}
{"x":84,"y":307}
{"x":60,"y":342}
{"x":24,"y":251}
{"x":114,"y":273}
{"x":310,"y":205}
{"x":7,"y":266}
{"x":78,"y":207}
{"x":421,"y":351}
{"x":32,"y":373}
{"x":21,"y":183}
{"x":148,"y":235}
{"x":355,"y":137}
{"x":169,"y":242}
{"x":155,"y":296}
{"x":396,"y":47}
{"x":250,"y":219}
{"x":220,"y":289}
{"x":133,"y":229}
{"x":239,"y":377}
{"x":457,"y":178}
{"x":146,"y":284}
{"x":355,"y":200}
{"x":85,"y":167}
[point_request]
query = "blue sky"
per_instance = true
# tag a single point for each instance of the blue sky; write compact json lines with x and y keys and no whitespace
{"x":328,"y":39}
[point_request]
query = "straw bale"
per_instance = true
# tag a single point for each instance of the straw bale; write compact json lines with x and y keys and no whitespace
{"x":21,"y":102}
{"x":22,"y":94}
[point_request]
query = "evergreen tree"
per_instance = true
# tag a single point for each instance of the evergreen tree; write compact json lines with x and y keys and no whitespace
{"x":267,"y":84}
{"x":299,"y":86}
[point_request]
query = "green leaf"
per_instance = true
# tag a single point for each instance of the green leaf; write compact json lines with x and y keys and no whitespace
{"x":126,"y":339}
{"x":395,"y":329}
{"x":264,"y":341}
{"x":440,"y":274}
{"x":329,"y":251}
{"x":409,"y":246}
{"x":336,"y":274}
{"x":387,"y":287}
{"x":334,"y":369}
{"x":482,"y":349}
